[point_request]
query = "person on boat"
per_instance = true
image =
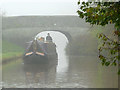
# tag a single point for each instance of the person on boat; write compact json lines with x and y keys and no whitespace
{"x":41,"y":39}
{"x":48,"y":38}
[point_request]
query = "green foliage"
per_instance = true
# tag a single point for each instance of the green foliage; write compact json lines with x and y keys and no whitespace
{"x":10,"y":50}
{"x":103,"y":13}
{"x":119,"y":72}
{"x":10,"y":47}
{"x":100,"y":13}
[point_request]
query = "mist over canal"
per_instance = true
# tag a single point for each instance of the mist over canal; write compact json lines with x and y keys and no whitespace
{"x":77,"y":65}
{"x":71,"y":71}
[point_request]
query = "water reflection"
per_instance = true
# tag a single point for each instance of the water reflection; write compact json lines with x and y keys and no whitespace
{"x":87,"y":71}
{"x":80,"y":72}
{"x":40,"y":73}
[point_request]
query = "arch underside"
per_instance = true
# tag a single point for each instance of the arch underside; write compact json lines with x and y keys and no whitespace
{"x":69,"y":37}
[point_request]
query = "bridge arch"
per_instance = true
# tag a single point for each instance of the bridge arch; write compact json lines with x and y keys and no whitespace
{"x":68,"y":36}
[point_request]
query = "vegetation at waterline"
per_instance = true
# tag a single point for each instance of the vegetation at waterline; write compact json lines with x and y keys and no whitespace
{"x":104,"y":13}
{"x":10,"y":50}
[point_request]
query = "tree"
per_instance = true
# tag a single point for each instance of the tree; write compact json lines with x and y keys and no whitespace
{"x":103,"y":13}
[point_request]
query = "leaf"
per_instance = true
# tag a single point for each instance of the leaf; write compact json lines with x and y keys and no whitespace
{"x":83,"y":3}
{"x":114,"y":63}
{"x":78,"y":2}
{"x":84,"y":9}
{"x":112,"y":51}
{"x":87,"y":4}
{"x":107,"y":63}
{"x":111,"y":21}
{"x":81,"y":7}
{"x":103,"y":63}
{"x":119,"y":72}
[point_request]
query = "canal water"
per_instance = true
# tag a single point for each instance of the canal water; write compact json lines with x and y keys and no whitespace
{"x":68,"y":72}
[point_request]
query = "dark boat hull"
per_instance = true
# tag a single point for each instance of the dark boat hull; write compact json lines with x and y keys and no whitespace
{"x":34,"y":59}
{"x":38,"y":59}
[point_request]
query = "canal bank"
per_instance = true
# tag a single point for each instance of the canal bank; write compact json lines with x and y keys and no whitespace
{"x":10,"y":51}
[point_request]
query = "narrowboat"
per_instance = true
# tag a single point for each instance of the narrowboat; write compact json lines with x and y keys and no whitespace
{"x":40,"y":52}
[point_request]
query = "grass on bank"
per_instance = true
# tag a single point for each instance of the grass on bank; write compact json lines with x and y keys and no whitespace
{"x":11,"y":50}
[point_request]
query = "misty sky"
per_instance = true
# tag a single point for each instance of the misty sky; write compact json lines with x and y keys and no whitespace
{"x":39,"y":7}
